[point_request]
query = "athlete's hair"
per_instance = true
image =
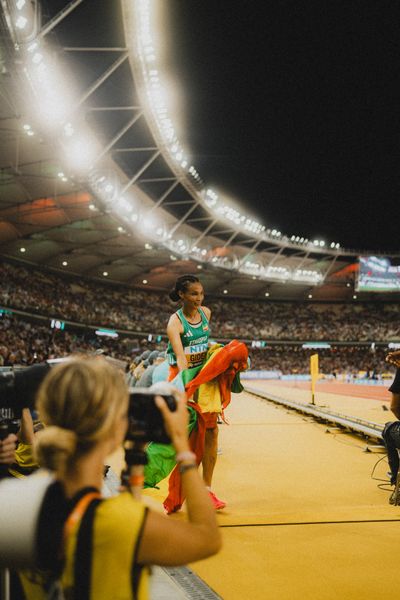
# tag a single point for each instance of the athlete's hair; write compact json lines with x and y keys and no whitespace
{"x":80,"y":403}
{"x":181,"y":285}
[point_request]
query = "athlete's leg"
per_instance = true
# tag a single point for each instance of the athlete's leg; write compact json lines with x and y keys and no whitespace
{"x":210,"y":454}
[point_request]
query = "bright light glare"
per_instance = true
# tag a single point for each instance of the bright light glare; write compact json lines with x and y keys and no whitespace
{"x":80,"y":153}
{"x":53,"y":94}
{"x":21,"y":22}
{"x":20,"y":4}
{"x":37,"y":58}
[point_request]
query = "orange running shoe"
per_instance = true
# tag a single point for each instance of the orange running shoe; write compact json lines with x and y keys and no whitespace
{"x":217,"y":503}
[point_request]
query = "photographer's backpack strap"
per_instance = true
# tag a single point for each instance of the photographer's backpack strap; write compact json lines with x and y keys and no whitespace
{"x":83,"y":517}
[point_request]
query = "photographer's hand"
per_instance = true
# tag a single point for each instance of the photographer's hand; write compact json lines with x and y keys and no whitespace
{"x":166,"y":541}
{"x":176,"y":423}
{"x":7,"y":449}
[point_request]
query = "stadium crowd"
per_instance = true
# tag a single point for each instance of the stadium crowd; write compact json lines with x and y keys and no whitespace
{"x":123,"y":308}
{"x":23,"y":343}
{"x":338,"y":360}
{"x":41,"y":293}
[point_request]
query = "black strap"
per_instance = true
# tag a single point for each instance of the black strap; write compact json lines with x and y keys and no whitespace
{"x":83,"y":553}
{"x":136,"y":571}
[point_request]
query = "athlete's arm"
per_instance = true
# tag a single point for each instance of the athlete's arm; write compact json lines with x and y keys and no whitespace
{"x":174,"y":330}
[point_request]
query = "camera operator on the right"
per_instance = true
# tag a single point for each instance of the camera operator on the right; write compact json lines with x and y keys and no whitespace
{"x":99,"y":548}
{"x":391,"y":432}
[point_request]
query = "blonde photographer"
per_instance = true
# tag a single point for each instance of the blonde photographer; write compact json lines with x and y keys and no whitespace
{"x":98,"y":548}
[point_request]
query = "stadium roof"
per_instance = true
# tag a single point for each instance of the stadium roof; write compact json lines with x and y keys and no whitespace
{"x":75,"y":86}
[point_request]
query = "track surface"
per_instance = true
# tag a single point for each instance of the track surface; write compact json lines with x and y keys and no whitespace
{"x":304,"y":520}
{"x":376,"y":392}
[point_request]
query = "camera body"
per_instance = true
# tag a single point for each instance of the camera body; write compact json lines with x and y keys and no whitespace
{"x":145,"y":422}
{"x":18,"y":391}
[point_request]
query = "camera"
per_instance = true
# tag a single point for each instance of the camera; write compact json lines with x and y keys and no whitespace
{"x":145,"y":422}
{"x":18,"y":391}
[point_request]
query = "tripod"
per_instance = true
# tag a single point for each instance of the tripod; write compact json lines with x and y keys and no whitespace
{"x":133,"y":475}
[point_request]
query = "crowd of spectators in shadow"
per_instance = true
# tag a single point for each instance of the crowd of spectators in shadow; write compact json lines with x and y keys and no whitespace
{"x":24,"y":343}
{"x":124,"y":308}
{"x":90,"y":303}
{"x":335,"y":361}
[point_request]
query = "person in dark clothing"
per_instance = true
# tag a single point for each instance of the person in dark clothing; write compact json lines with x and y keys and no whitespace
{"x":391,"y":432}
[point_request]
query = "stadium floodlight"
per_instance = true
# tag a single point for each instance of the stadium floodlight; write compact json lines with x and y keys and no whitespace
{"x":80,"y":152}
{"x":307,"y":275}
{"x":21,"y":22}
{"x":64,"y":263}
{"x":179,"y":246}
{"x":22,"y":249}
{"x":53,"y":99}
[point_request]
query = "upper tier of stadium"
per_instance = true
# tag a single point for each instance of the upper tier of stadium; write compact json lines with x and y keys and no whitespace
{"x":96,"y":181}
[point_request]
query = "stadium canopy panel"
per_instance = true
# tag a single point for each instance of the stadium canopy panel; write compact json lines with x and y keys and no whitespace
{"x":94,"y":179}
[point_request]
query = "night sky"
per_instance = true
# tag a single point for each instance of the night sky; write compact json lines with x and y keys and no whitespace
{"x":292,"y":108}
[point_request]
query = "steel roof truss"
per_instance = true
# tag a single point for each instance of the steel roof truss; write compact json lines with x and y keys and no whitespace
{"x":141,"y":171}
{"x":58,"y":18}
{"x":102,"y":79}
{"x":183,"y":219}
{"x":118,"y":136}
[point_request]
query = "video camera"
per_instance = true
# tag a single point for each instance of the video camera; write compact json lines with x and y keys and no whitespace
{"x":18,"y":391}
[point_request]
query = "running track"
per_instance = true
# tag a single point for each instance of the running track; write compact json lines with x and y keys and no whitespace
{"x":337,"y":387}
